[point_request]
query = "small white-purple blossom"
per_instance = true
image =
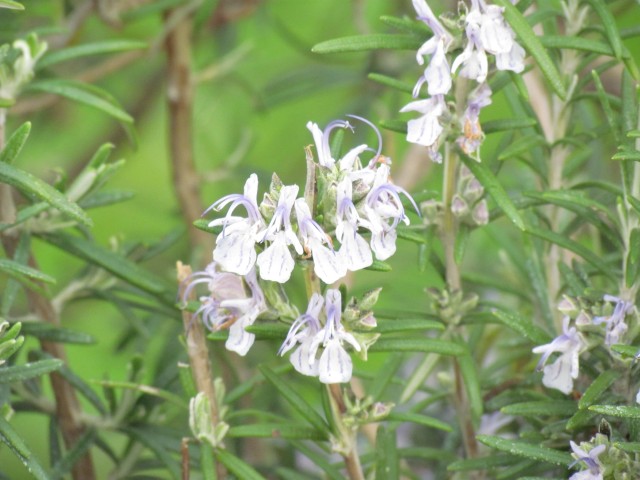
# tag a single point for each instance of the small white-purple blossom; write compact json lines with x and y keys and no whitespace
{"x":228,"y":305}
{"x":561,"y":373}
{"x":426,"y":129}
{"x":354,"y":249}
{"x":327,"y":263}
{"x":235,"y":246}
{"x":334,"y":364}
{"x":276,"y":262}
{"x":590,"y":459}
{"x":615,"y":324}
{"x":302,"y":333}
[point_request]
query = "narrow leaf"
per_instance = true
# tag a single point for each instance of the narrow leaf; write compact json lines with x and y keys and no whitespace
{"x":14,"y":145}
{"x":294,"y":399}
{"x":493,"y":126}
{"x":577,"y":43}
{"x":442,"y":347}
{"x":392,"y":82}
{"x":34,"y":187}
{"x":361,"y":43}
{"x":83,"y":93}
{"x":88,"y":49}
{"x":120,"y":266}
{"x":532,"y":44}
{"x":18,"y":270}
{"x":236,"y":466}
{"x":493,"y":187}
{"x":277,"y":430}
{"x":387,"y":463}
{"x":10,"y":437}
{"x":419,"y":419}
{"x":522,"y":145}
{"x":472,"y":384}
{"x":545,"y":408}
{"x":379,"y":266}
{"x":572,"y":246}
{"x":482,"y":463}
{"x":527,"y":450}
{"x":617,"y":411}
{"x":11,"y":5}
{"x":20,"y":373}
{"x":610,"y":27}
{"x":598,"y":387}
{"x":80,"y":447}
{"x":45,"y":331}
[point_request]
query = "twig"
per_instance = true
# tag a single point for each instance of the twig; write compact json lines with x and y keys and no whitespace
{"x":180,"y":102}
{"x":199,"y":355}
{"x":68,"y":409}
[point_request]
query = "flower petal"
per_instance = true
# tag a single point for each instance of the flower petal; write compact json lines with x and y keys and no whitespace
{"x":328,"y":265}
{"x":335,"y":364}
{"x":239,"y":341}
{"x":235,"y":252}
{"x":276,"y":262}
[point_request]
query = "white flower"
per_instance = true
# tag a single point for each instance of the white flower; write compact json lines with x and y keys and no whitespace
{"x":235,"y":246}
{"x":276,"y":262}
{"x":426,"y":130}
{"x":327,"y":264}
{"x":240,"y":341}
{"x":302,"y":332}
{"x":590,"y":459}
{"x":227,"y":305}
{"x":437,"y":75}
{"x":384,"y":210}
{"x":473,"y":58}
{"x":354,"y":250}
{"x":487,"y":31}
{"x":615,"y":326}
{"x":221,"y":286}
{"x":561,"y":373}
{"x":334,"y":365}
{"x":321,"y":139}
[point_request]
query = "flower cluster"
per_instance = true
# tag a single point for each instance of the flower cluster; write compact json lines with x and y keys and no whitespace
{"x":355,"y":197}
{"x":485,"y":32}
{"x":571,"y":343}
{"x":252,"y":251}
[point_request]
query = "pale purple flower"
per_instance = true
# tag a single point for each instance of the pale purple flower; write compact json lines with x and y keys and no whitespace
{"x":235,"y":246}
{"x":228,"y":305}
{"x":488,"y":32}
{"x":437,"y":74}
{"x":615,"y":325}
{"x":302,"y":333}
{"x":426,"y":129}
{"x":354,"y":249}
{"x":327,"y":264}
{"x":590,"y":459}
{"x":561,"y":373}
{"x":248,"y":309}
{"x":334,"y":365}
{"x":276,"y":262}
{"x":384,"y":210}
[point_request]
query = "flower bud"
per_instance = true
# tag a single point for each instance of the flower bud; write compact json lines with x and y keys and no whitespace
{"x":458,"y":206}
{"x":481,"y":213}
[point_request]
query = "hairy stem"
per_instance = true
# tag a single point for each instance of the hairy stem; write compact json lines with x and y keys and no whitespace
{"x":67,"y":407}
{"x":348,"y":435}
{"x":199,"y":355}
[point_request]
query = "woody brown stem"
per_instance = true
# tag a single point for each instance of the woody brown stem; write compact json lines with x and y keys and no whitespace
{"x":67,"y":407}
{"x":180,"y":103}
